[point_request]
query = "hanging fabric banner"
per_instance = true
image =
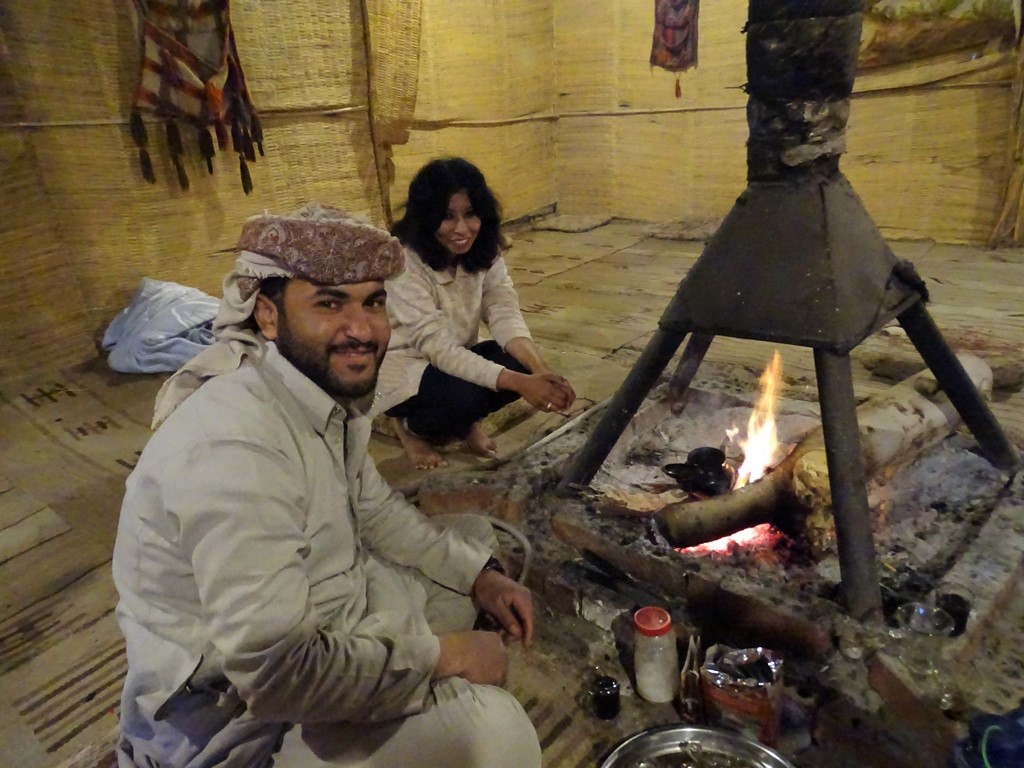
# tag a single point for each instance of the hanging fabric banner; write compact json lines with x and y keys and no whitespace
{"x":674,"y":47}
{"x":190,"y":75}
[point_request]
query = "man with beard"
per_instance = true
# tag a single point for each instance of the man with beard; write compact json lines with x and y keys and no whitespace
{"x":280,"y":604}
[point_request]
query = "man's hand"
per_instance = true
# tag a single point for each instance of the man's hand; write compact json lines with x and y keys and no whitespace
{"x":507,"y":601}
{"x":479,"y":657}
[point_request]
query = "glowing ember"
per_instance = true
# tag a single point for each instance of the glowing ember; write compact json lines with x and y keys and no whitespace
{"x":761,"y":444}
{"x":759,"y":534}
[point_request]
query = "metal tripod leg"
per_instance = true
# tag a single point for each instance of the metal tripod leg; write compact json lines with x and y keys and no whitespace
{"x":621,"y":409}
{"x":693,"y":355}
{"x":846,"y":479}
{"x":957,"y":385}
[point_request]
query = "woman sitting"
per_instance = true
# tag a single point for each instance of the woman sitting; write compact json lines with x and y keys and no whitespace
{"x":438,"y":380}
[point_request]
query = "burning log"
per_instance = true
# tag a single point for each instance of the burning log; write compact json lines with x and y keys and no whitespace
{"x":895,"y":427}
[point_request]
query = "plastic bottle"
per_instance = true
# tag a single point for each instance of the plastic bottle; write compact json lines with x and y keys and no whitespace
{"x":655,"y":658}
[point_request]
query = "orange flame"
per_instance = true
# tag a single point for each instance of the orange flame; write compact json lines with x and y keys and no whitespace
{"x":759,"y":449}
{"x":762,"y":441}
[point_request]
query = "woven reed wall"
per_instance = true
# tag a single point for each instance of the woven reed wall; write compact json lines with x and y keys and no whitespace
{"x":121,"y":229}
{"x":516,"y":159}
{"x":45,"y":323}
{"x":926,"y":141}
{"x":44,"y":315}
{"x":73,"y":67}
{"x":485,"y":92}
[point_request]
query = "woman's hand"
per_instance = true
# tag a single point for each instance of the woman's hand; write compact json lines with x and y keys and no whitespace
{"x":548,"y":392}
{"x":543,"y":389}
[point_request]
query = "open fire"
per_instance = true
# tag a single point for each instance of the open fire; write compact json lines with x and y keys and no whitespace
{"x":760,"y":450}
{"x":761,"y":445}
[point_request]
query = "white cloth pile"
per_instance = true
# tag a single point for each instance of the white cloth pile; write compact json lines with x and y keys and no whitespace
{"x":163,"y":327}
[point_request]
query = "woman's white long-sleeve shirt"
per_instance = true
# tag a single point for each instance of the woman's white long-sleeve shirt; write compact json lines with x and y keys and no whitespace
{"x":436,"y":317}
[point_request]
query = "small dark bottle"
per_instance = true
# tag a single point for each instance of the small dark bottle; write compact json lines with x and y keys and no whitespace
{"x":606,"y":697}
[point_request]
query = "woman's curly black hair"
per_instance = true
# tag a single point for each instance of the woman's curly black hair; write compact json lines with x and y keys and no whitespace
{"x":429,"y":193}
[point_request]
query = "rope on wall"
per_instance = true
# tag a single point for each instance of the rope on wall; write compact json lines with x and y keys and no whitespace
{"x":391,"y":34}
{"x":1009,"y":227}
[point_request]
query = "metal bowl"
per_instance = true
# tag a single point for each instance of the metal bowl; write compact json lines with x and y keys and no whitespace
{"x":668,"y":740}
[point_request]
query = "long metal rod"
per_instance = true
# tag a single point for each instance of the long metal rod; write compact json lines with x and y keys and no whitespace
{"x":857,"y":566}
{"x":500,"y":461}
{"x":620,"y":410}
{"x":950,"y":374}
{"x":410,"y":489}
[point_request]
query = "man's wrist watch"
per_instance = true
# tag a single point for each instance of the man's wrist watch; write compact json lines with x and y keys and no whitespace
{"x":493,"y":564}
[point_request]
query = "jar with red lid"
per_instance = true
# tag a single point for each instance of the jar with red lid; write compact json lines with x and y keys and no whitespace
{"x":655,"y":658}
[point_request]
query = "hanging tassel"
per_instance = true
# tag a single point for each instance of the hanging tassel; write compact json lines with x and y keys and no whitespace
{"x":679,"y":88}
{"x":243,"y":115}
{"x":222,"y":135}
{"x":174,"y":138}
{"x":179,"y":167}
{"x":257,"y":133}
{"x":176,"y":149}
{"x":141,"y":139}
{"x":138,"y":129}
{"x":247,"y":146}
{"x":206,"y":149}
{"x":146,"y":164}
{"x":236,"y":135}
{"x":243,"y":171}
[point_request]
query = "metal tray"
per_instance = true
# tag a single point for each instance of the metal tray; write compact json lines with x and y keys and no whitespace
{"x":667,"y":740}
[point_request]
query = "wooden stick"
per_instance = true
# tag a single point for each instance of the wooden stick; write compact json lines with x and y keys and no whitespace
{"x":895,"y":427}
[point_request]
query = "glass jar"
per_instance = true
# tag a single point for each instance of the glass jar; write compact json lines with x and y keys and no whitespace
{"x":655,"y":658}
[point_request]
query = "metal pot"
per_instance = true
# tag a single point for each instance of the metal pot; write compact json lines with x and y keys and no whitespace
{"x":705,"y":472}
{"x":665,"y":741}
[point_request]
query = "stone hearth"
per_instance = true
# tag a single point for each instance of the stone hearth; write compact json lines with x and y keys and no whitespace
{"x":947,"y":522}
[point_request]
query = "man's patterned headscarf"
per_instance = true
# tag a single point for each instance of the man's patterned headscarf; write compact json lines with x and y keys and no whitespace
{"x":316,"y":243}
{"x":322,"y":245}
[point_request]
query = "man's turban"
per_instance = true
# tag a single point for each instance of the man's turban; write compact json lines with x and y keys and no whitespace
{"x":320,"y":244}
{"x":316,"y":243}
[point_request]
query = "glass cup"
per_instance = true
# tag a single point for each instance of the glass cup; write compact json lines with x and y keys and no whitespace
{"x":958,"y":602}
{"x":924,"y":630}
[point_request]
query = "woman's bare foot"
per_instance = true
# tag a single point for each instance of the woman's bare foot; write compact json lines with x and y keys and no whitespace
{"x":421,"y":453}
{"x":480,"y":443}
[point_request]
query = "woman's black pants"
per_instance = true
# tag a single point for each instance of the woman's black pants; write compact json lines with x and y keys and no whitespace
{"x":446,"y":407}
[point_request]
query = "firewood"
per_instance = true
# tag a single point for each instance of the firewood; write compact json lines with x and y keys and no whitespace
{"x":895,"y":427}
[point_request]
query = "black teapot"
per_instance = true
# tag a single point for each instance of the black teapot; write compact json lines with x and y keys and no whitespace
{"x":705,"y":472}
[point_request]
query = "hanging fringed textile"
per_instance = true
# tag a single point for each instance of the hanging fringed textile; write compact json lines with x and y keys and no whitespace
{"x":674,"y":47}
{"x":191,"y":75}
